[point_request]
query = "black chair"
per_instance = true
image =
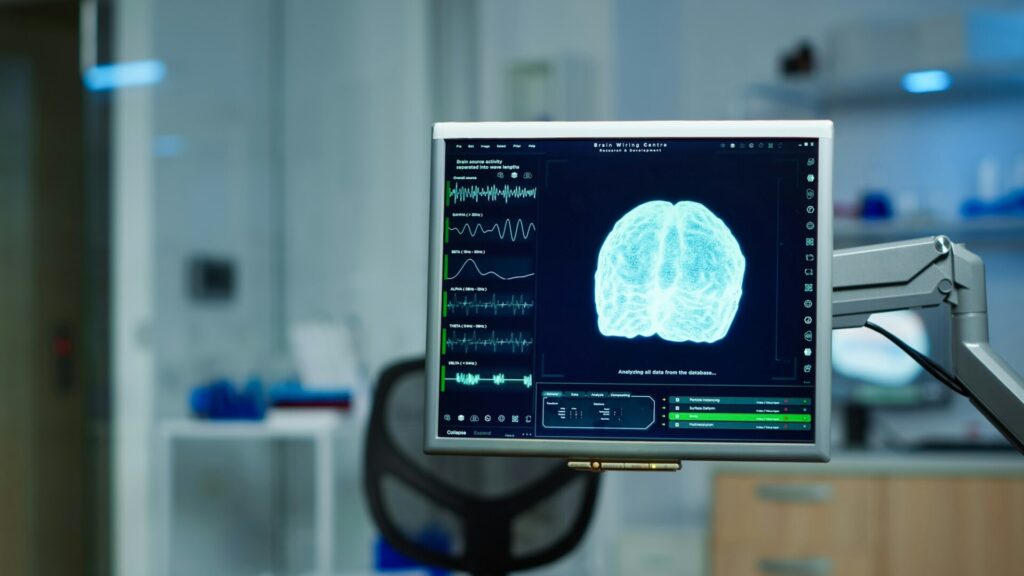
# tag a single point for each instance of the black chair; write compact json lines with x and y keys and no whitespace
{"x":407,"y":488}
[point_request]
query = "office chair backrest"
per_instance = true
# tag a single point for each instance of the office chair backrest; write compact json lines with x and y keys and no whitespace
{"x":480,"y":515}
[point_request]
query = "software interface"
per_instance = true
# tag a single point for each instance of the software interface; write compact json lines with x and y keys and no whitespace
{"x":637,"y":289}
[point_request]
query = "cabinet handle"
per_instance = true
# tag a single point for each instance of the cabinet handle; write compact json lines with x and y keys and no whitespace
{"x":796,"y":566}
{"x":806,"y":493}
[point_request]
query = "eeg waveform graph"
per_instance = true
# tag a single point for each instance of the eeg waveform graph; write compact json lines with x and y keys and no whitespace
{"x":501,"y":230}
{"x":487,"y":267}
{"x":486,"y":341}
{"x":458,"y":194}
{"x":487,"y":305}
{"x":496,"y":379}
{"x":509,"y":379}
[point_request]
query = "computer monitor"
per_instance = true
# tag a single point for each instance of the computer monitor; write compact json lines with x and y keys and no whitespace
{"x":630,"y":290}
{"x":868,"y":371}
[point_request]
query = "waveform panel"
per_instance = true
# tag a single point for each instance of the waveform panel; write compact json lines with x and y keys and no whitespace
{"x":487,"y":305}
{"x":456,"y":194}
{"x":501,"y":230}
{"x":486,"y":341}
{"x":493,"y":379}
{"x":496,"y":268}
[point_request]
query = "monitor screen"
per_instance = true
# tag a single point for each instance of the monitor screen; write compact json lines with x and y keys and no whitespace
{"x":609,"y":292}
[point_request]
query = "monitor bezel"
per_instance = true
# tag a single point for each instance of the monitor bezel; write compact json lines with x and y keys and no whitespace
{"x":818,"y":451}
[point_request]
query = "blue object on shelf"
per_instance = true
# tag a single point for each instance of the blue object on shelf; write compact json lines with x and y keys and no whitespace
{"x":390,"y":560}
{"x":221,"y":400}
{"x":876,"y":205}
{"x":1010,"y":204}
{"x":292,"y":393}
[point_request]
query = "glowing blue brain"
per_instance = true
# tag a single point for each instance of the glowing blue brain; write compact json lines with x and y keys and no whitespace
{"x":671,"y":270}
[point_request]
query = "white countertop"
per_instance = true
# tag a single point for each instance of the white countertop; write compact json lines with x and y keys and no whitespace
{"x":891,"y":463}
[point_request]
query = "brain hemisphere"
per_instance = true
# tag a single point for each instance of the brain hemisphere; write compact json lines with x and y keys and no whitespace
{"x":675,"y":271}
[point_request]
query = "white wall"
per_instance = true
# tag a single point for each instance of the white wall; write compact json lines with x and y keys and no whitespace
{"x":357,"y":117}
{"x":356,"y":111}
{"x":648,"y":60}
{"x":576,"y":32}
{"x":214,"y":189}
{"x":211,"y":144}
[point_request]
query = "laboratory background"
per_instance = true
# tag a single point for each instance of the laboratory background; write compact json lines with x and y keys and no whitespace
{"x":213,"y":243}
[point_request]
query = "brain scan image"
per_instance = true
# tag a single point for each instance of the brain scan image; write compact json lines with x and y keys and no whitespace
{"x":671,"y":270}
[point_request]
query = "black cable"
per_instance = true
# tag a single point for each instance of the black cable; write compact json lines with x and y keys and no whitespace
{"x":949,"y":379}
{"x":930,"y":366}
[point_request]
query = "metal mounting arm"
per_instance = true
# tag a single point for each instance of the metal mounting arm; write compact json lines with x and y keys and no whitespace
{"x":924,"y":273}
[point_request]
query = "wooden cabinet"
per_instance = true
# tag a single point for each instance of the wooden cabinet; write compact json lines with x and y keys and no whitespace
{"x":796,"y":525}
{"x":852,"y":525}
{"x":940,"y":526}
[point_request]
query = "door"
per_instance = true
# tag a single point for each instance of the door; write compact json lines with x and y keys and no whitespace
{"x":53,"y":350}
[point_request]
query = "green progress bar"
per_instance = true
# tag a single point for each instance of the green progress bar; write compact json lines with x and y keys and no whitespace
{"x":444,"y":340}
{"x":738,"y":417}
{"x":714,"y":400}
{"x":444,"y":305}
{"x":442,"y":378}
{"x":447,"y":193}
{"x":446,"y":230}
{"x":445,"y":267}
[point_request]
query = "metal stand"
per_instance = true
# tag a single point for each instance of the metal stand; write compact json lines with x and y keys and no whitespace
{"x":930,"y":272}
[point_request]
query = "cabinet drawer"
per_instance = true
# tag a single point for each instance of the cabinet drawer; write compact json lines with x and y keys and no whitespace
{"x":743,"y":561}
{"x":797,"y":515}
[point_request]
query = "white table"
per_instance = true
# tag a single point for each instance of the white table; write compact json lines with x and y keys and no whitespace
{"x":320,"y":429}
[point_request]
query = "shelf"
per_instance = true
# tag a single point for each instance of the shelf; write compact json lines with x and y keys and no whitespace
{"x":1003,"y":230}
{"x":822,"y":92}
{"x":303,"y":425}
{"x":320,"y":429}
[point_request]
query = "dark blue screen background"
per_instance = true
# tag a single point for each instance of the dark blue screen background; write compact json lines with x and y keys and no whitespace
{"x":584,"y":187}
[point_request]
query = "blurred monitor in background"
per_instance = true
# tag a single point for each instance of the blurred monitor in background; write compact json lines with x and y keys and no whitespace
{"x":870,"y":371}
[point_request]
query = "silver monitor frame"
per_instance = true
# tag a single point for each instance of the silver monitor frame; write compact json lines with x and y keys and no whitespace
{"x":818,"y":451}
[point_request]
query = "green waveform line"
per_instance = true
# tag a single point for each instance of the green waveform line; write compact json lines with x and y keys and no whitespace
{"x":497,"y":379}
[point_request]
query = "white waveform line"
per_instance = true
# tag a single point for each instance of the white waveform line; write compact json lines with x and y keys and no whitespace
{"x":520,"y":229}
{"x":491,"y":193}
{"x":488,"y":273}
{"x":473,"y":341}
{"x":517,"y":304}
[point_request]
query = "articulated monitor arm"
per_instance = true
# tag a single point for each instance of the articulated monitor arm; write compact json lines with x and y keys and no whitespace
{"x":924,"y":273}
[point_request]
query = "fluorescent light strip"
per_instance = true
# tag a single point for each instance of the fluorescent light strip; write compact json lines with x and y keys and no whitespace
{"x":124,"y":75}
{"x":926,"y":81}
